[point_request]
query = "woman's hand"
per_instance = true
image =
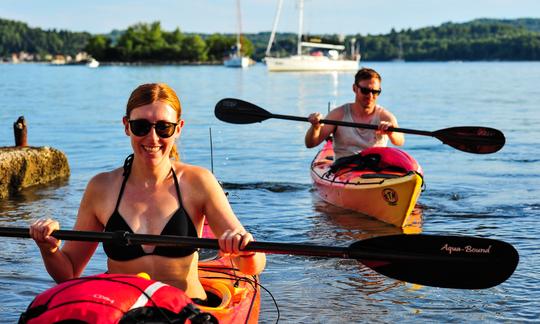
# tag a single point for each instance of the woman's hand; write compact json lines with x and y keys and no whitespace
{"x":233,"y":241}
{"x":41,"y":231}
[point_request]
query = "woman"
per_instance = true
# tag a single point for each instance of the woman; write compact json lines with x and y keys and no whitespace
{"x":151,"y":194}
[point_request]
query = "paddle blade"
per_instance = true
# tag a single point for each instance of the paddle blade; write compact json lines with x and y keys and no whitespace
{"x":472,"y":139}
{"x":238,"y":111}
{"x":439,"y":261}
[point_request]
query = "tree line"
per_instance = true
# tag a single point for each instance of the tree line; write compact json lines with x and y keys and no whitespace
{"x":144,"y":42}
{"x":17,"y":37}
{"x":481,"y":39}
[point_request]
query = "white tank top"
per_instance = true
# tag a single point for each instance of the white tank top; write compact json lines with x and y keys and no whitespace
{"x":350,"y":140}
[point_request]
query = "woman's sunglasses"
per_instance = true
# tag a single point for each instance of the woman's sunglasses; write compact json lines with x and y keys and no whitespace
{"x":141,"y":127}
{"x":368,"y":90}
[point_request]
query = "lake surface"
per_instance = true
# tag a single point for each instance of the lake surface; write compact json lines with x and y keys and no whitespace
{"x":265,"y":169}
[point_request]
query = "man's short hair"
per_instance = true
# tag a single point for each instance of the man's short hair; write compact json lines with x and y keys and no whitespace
{"x":366,"y":74}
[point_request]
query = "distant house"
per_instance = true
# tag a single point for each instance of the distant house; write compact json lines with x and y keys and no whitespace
{"x":59,"y":60}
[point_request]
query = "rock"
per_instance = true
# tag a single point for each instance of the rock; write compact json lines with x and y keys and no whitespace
{"x":22,"y":167}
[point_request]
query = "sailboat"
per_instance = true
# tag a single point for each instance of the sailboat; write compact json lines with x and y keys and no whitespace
{"x":237,"y":59}
{"x":326,"y":57}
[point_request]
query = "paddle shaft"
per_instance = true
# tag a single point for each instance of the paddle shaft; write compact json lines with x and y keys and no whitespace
{"x":126,"y":238}
{"x":445,"y":136}
{"x":357,"y":125}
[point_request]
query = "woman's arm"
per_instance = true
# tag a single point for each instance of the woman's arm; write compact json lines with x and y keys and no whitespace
{"x":69,"y":261}
{"x":232,"y":236}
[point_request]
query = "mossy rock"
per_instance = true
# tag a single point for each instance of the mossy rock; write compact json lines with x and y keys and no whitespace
{"x":23,"y":167}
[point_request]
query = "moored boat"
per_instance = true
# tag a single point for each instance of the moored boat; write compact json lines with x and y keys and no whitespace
{"x":381,"y":182}
{"x":92,"y":63}
{"x":237,"y":59}
{"x":314,"y":54}
{"x":233,"y":297}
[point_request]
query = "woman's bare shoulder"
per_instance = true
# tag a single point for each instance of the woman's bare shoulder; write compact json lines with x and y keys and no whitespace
{"x":192,"y":170}
{"x":105,"y":181}
{"x":194,"y":174}
{"x":100,"y":196}
{"x":106,"y":177}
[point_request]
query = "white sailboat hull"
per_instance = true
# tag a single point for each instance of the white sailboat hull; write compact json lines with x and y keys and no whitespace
{"x":309,"y":63}
{"x":237,"y":61}
{"x":92,"y":64}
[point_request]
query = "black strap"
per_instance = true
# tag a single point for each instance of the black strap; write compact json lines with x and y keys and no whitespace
{"x":177,"y":185}
{"x":127,"y":170}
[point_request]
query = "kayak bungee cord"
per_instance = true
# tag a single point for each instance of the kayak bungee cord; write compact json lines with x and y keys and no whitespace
{"x":252,"y":282}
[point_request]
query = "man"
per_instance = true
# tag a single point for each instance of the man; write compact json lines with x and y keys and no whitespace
{"x":350,"y":140}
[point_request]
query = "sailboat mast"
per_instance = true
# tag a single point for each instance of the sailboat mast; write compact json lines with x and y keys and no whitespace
{"x":273,"y":34}
{"x":238,"y":34}
{"x":300,"y":25}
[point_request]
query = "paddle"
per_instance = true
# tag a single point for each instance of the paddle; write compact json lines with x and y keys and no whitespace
{"x":472,"y":139}
{"x":439,"y":261}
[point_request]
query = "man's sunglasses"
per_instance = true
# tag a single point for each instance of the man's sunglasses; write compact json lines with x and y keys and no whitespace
{"x":368,"y":90}
{"x":141,"y":127}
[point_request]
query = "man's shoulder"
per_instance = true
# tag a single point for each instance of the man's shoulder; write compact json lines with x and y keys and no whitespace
{"x":339,"y":111}
{"x":383,"y":112}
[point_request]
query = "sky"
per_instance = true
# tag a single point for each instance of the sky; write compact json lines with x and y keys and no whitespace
{"x":219,"y":16}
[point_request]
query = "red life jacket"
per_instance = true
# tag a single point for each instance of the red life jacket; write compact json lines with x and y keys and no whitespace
{"x":113,"y":298}
{"x":394,"y":157}
{"x":378,"y":159}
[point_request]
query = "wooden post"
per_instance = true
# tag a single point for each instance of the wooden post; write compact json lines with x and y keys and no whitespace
{"x":20,"y":132}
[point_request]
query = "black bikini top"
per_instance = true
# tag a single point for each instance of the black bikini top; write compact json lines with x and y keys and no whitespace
{"x":179,"y":224}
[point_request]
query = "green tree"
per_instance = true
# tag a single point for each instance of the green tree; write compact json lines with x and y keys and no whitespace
{"x":194,"y":49}
{"x":98,"y":46}
{"x":142,"y":41}
{"x":247,"y":48}
{"x":218,"y":46}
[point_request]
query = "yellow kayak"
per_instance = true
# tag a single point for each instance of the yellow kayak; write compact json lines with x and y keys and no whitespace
{"x":381,"y":182}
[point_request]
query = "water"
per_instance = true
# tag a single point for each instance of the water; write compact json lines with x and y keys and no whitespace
{"x":264,"y":167}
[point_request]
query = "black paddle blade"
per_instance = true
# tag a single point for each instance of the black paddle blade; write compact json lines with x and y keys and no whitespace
{"x":238,"y":111}
{"x":472,"y":139}
{"x":439,"y":261}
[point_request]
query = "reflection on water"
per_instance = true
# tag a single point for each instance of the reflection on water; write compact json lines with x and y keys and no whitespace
{"x":20,"y":206}
{"x":34,"y":193}
{"x":359,"y":226}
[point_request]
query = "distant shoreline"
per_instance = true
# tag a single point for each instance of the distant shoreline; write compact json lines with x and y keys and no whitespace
{"x":121,"y":63}
{"x":221,"y":63}
{"x":159,"y":63}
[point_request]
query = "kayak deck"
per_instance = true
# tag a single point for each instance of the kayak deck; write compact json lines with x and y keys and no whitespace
{"x":239,"y":294}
